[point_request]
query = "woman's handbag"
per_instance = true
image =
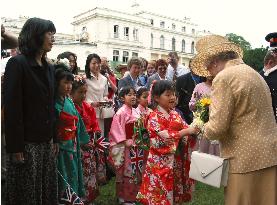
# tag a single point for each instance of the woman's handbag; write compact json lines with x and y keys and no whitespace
{"x":106,"y":111}
{"x":209,"y":169}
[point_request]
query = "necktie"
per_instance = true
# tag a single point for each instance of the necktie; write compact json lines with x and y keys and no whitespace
{"x":175,"y":75}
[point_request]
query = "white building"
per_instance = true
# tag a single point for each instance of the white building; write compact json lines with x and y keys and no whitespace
{"x":120,"y":35}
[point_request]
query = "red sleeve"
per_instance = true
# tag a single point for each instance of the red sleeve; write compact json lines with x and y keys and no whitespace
{"x":92,"y":114}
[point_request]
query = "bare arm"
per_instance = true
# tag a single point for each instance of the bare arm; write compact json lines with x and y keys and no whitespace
{"x":8,"y":40}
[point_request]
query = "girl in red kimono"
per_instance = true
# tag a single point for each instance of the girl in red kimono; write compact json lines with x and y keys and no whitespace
{"x":95,"y":147}
{"x":165,"y":180}
{"x":124,"y":155}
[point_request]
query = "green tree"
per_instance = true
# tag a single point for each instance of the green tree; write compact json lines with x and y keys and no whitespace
{"x":252,"y":57}
{"x":255,"y":58}
{"x":245,"y":45}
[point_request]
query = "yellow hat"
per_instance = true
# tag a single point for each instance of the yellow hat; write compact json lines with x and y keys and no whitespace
{"x":209,"y":46}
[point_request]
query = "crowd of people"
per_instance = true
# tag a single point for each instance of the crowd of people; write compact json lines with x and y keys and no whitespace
{"x":68,"y":132}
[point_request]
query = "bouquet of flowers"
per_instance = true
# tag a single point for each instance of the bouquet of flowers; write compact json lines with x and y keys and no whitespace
{"x":142,"y":135}
{"x":201,"y":113}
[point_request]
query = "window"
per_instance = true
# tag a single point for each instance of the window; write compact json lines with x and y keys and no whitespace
{"x":135,"y":34}
{"x":162,"y":24}
{"x":193,"y":31}
{"x":134,"y":54}
{"x":183,"y":45}
{"x":173,"y":26}
{"x":173,"y":43}
{"x":126,"y":33}
{"x":192,"y":47}
{"x":183,"y":29}
{"x":162,"y":42}
{"x":115,"y":55}
{"x":125,"y":56}
{"x":152,"y":40}
{"x":115,"y":31}
{"x":152,"y":22}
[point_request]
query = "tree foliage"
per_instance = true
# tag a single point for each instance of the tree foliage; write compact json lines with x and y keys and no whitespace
{"x":255,"y":58}
{"x":245,"y":45}
{"x":252,"y":57}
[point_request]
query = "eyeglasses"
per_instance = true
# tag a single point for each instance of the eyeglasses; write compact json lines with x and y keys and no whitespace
{"x":50,"y":35}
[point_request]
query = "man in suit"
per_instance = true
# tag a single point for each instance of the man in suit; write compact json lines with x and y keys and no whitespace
{"x":269,"y":73}
{"x":241,"y":118}
{"x":184,"y":89}
{"x":134,"y":66}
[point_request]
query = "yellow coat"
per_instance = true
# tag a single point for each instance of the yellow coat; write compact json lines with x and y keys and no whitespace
{"x":241,"y":118}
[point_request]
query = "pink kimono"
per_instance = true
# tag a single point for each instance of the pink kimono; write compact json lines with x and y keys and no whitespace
{"x":128,"y":161}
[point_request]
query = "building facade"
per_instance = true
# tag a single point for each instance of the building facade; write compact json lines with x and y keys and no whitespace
{"x":121,"y":35}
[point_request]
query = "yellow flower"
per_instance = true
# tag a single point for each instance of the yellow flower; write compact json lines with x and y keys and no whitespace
{"x":205,"y":102}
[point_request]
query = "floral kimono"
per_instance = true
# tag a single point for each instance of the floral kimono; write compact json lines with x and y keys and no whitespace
{"x":128,"y":161}
{"x":144,"y":113}
{"x":165,"y":180}
{"x":71,"y":133}
{"x":92,"y":159}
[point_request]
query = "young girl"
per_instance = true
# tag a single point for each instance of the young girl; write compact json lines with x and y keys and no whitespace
{"x":165,"y":181}
{"x":88,"y":114}
{"x":144,"y":112}
{"x":142,"y":99}
{"x":126,"y":158}
{"x":71,"y":134}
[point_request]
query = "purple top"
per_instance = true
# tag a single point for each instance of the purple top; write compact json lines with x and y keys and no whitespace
{"x":200,"y":90}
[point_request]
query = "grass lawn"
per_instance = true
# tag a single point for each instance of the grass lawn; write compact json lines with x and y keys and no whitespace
{"x":203,"y":195}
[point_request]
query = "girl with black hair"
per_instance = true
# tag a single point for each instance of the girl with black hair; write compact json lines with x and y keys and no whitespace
{"x":29,"y":118}
{"x":93,"y":158}
{"x":126,"y":158}
{"x":71,"y":133}
{"x":165,"y":179}
{"x":142,"y":100}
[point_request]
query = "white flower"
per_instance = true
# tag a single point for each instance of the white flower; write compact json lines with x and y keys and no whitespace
{"x":64,"y":61}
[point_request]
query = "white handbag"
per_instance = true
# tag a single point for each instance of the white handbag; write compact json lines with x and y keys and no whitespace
{"x":106,"y":112}
{"x":209,"y":169}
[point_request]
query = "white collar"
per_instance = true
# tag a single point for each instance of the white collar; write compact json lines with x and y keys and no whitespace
{"x":165,"y":113}
{"x":161,"y":78}
{"x":132,"y":78}
{"x":267,"y":72}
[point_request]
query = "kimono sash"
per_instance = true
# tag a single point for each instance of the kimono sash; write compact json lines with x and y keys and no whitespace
{"x":129,"y":130}
{"x":67,"y":126}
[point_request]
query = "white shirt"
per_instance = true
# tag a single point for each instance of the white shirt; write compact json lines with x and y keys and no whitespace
{"x":268,"y":71}
{"x":97,"y":90}
{"x":181,"y":70}
{"x":4,"y":63}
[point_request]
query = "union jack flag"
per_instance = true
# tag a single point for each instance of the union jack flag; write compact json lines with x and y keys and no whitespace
{"x":69,"y":197}
{"x":100,"y":144}
{"x":136,"y":155}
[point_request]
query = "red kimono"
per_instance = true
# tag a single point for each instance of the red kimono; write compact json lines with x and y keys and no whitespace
{"x":165,"y":180}
{"x":91,"y":163}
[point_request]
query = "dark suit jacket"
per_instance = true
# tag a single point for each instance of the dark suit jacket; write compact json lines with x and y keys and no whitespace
{"x":184,"y":89}
{"x":271,"y":81}
{"x":127,"y":81}
{"x":28,"y":102}
{"x":151,"y":79}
